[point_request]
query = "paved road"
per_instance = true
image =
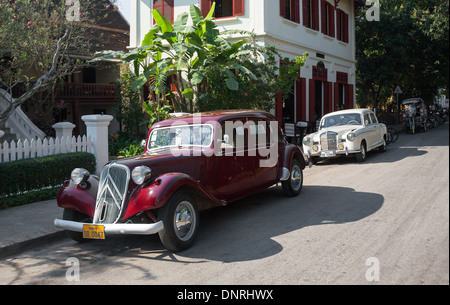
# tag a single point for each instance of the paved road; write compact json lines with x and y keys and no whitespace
{"x":384,"y":221}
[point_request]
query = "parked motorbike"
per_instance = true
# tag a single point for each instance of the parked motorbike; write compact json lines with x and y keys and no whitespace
{"x":432,"y":119}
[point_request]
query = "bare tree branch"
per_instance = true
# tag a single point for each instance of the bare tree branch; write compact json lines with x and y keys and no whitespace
{"x":43,"y":81}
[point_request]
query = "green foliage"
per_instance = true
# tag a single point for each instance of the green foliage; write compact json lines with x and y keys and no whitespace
{"x":409,"y":47}
{"x":132,"y":150}
{"x":28,"y":175}
{"x":129,"y":111}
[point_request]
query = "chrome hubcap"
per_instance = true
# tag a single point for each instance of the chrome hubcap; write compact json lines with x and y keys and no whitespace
{"x":296,"y":177}
{"x":184,"y":220}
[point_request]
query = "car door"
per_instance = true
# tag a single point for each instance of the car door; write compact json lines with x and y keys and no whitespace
{"x":234,"y":175}
{"x":261,"y":150}
{"x":370,"y":133}
{"x":378,"y":136}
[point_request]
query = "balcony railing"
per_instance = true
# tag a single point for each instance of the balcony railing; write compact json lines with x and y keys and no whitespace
{"x":88,"y":91}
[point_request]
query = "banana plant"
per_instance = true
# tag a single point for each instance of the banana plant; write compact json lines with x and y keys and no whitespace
{"x":184,"y":53}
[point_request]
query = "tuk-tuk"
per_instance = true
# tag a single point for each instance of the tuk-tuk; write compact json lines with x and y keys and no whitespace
{"x":414,"y":114}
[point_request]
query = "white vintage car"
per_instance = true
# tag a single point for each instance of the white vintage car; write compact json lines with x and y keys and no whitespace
{"x":345,"y":132}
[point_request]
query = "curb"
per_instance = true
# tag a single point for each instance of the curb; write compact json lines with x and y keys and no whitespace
{"x":26,"y":245}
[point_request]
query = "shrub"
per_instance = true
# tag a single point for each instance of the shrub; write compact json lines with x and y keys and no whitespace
{"x":26,"y":176}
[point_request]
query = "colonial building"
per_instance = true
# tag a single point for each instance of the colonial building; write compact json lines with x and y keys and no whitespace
{"x":323,"y":28}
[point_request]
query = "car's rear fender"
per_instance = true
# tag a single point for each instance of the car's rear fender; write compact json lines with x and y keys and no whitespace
{"x":158,"y":193}
{"x":293,"y":152}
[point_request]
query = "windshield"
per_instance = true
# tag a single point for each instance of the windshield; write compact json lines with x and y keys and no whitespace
{"x":341,"y":119}
{"x":186,"y":135}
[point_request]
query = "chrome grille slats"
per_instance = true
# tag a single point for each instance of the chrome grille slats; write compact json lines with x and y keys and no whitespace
{"x":112,"y":192}
{"x":328,"y":140}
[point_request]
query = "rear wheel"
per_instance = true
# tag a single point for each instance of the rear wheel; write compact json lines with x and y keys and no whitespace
{"x":181,"y":220}
{"x":293,"y":186}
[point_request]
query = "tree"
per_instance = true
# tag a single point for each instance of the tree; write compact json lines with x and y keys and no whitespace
{"x":409,"y":47}
{"x":42,"y":41}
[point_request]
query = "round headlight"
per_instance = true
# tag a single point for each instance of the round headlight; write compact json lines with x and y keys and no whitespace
{"x":140,"y":173}
{"x":79,"y":175}
{"x":351,"y":136}
{"x":306,"y":140}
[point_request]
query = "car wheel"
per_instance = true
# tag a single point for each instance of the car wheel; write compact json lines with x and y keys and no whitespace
{"x":180,"y":217}
{"x":361,"y":156}
{"x":294,"y":184}
{"x":72,"y":215}
{"x":383,"y":146}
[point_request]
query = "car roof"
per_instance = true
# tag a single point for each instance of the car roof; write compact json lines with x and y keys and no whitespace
{"x":348,"y":111}
{"x":412,"y":100}
{"x":215,"y":116}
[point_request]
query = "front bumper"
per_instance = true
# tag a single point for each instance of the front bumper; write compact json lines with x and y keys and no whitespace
{"x":337,"y":153}
{"x":113,"y":229}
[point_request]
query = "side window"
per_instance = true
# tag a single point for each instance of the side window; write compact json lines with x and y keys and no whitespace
{"x":224,"y":8}
{"x":290,"y":9}
{"x":235,"y":134}
{"x":259,"y":134}
{"x":366,"y":119}
{"x":374,"y":119}
{"x":165,"y":7}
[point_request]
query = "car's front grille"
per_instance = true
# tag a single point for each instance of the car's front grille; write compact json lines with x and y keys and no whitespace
{"x":111,"y":193}
{"x":328,"y":140}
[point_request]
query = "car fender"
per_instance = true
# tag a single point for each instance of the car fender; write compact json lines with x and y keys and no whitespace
{"x":292,"y":151}
{"x":158,"y":193}
{"x":73,"y":197}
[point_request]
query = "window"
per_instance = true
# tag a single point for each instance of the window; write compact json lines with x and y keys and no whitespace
{"x":224,"y":8}
{"x":342,"y":25}
{"x":311,"y":14}
{"x":290,"y":10}
{"x":165,"y":7}
{"x":327,"y":16}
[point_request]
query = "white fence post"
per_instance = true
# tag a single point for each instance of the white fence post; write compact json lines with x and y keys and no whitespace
{"x":63,"y":129}
{"x":97,"y":130}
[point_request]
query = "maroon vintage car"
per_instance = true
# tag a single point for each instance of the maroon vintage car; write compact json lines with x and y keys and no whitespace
{"x":191,"y":163}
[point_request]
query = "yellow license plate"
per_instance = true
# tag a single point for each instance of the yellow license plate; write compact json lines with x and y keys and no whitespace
{"x":93,"y":232}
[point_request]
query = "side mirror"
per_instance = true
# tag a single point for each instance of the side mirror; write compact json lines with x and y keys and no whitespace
{"x":143,"y":143}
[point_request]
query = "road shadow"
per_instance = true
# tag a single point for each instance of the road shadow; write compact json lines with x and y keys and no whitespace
{"x":244,"y":230}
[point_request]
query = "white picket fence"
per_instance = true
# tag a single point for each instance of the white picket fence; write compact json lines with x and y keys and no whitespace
{"x":29,"y":149}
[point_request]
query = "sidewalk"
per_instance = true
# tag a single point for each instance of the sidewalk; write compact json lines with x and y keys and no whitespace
{"x":28,"y":226}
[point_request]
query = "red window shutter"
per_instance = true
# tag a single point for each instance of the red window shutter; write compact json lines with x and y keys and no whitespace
{"x":331,"y":20}
{"x":303,"y":102}
{"x":298,"y":99}
{"x":323,"y":17}
{"x":339,"y":23}
{"x":283,"y":8}
{"x":312,"y":100}
{"x":305,"y":12}
{"x":205,"y":7}
{"x":329,"y":89}
{"x":345,"y":27}
{"x":279,"y":109}
{"x":295,"y":11}
{"x":238,"y":7}
{"x":315,"y":15}
{"x":350,"y":97}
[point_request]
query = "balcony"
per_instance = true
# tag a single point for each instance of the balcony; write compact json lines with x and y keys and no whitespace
{"x":88,"y":92}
